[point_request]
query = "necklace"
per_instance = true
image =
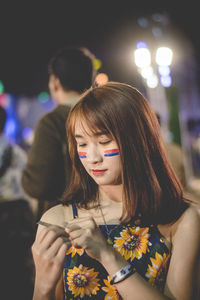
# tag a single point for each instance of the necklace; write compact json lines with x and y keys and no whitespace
{"x":108,"y":232}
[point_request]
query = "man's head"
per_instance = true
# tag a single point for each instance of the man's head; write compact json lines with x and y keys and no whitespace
{"x":3,"y":117}
{"x":71,"y":69}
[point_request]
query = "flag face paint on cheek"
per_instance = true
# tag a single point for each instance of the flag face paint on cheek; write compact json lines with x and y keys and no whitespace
{"x":82,"y":154}
{"x":111,"y":152}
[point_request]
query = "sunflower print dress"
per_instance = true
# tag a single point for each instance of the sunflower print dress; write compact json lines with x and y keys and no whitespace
{"x":143,"y":247}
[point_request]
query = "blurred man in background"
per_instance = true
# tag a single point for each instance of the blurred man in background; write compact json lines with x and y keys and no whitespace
{"x":48,"y":170}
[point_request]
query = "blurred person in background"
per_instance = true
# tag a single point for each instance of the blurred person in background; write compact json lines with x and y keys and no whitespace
{"x":12,"y":161}
{"x":48,"y":170}
{"x":176,"y":156}
{"x":17,"y":228}
{"x":17,"y":232}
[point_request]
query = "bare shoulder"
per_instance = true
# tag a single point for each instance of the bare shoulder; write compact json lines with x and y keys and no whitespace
{"x":189,"y":223}
{"x":190,"y":217}
{"x":183,"y":273}
{"x":57,"y":215}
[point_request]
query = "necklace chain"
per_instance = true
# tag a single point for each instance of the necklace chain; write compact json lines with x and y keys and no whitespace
{"x":104,"y":220}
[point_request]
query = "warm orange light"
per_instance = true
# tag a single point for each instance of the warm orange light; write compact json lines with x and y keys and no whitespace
{"x":101,"y":79}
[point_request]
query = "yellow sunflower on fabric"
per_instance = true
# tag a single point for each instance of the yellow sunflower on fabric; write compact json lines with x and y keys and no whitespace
{"x":157,"y":264}
{"x":83,"y":281}
{"x":72,"y":250}
{"x":133,"y":242}
{"x":112,"y":293}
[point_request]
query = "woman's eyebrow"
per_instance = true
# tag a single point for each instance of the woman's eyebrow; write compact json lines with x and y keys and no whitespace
{"x":99,"y":133}
{"x":78,"y":136}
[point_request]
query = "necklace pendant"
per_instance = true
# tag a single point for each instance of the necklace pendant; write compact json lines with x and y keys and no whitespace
{"x":109,"y":241}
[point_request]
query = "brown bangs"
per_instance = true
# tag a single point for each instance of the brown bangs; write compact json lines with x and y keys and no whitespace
{"x":88,"y":118}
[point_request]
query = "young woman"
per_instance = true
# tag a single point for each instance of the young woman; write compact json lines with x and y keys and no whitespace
{"x":124,"y":230}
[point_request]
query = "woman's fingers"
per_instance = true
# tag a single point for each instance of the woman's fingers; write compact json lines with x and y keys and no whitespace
{"x":76,"y":234}
{"x":55,"y":247}
{"x":62,"y":252}
{"x":80,"y":223}
{"x":47,"y":237}
{"x":42,"y":231}
{"x":84,"y":233}
{"x":80,"y":242}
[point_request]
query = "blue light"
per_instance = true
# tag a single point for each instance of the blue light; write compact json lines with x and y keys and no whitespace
{"x":166,"y":81}
{"x":27,"y":132}
{"x":164,"y":70}
{"x":141,"y":44}
{"x":10,"y":128}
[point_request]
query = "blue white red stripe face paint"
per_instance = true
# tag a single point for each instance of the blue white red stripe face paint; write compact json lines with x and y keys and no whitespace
{"x":82,"y":154}
{"x":99,"y":154}
{"x":111,"y":152}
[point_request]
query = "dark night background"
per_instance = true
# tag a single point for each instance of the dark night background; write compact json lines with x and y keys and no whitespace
{"x":31,"y":32}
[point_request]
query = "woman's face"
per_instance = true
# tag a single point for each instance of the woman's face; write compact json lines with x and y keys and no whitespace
{"x":99,"y":155}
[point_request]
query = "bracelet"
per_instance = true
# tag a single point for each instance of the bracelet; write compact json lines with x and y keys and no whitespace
{"x":122,"y":274}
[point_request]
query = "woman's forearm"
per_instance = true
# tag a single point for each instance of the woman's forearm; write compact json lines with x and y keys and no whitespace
{"x":39,"y":294}
{"x":134,"y":285}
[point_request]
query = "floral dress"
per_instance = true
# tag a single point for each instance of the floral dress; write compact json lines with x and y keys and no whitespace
{"x":143,"y":247}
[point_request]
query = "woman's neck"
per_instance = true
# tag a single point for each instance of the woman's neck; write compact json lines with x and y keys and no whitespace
{"x":108,"y":208}
{"x":111,"y":192}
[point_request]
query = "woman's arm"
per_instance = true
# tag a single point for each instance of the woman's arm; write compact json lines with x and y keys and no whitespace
{"x":182,"y":279}
{"x":182,"y":271}
{"x":49,"y":250}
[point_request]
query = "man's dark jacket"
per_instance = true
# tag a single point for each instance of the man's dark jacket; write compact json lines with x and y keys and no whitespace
{"x":48,"y":170}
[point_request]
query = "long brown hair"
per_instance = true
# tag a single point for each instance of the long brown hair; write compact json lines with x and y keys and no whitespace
{"x":152,"y":191}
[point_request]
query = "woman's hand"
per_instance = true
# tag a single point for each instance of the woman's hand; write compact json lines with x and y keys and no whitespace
{"x":49,"y":250}
{"x":84,"y":233}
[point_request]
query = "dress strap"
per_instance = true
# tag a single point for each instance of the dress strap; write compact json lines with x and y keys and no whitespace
{"x":74,"y":209}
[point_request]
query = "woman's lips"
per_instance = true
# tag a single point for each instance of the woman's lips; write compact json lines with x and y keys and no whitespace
{"x":98,"y":172}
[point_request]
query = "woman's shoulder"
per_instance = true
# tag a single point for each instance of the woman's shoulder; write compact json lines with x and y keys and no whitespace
{"x":58,"y":214}
{"x":190,"y":217}
{"x":189,"y":223}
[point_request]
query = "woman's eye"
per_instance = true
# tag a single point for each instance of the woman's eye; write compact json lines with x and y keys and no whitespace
{"x":82,"y":145}
{"x":105,"y":143}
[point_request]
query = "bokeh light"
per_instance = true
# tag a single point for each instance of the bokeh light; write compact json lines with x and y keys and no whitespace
{"x":101,"y":78}
{"x":164,"y":70}
{"x":166,"y":81}
{"x":97,"y":64}
{"x":43,"y":97}
{"x":1,"y":87}
{"x":142,"y":57}
{"x":147,"y":72}
{"x":164,"y":56}
{"x":141,"y":44}
{"x":152,"y":82}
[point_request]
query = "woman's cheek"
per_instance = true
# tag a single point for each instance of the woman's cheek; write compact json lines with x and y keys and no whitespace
{"x":82,"y":154}
{"x":111,"y":152}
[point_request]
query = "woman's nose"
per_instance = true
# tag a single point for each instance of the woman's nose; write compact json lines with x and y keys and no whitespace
{"x":94,"y":155}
